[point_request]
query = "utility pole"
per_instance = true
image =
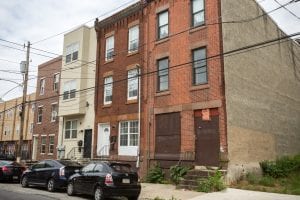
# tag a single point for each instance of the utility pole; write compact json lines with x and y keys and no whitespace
{"x":24,"y":70}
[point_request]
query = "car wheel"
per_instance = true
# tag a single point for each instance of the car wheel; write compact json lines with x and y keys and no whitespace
{"x":24,"y":182}
{"x":50,"y":185}
{"x":99,"y":194}
{"x":70,"y":189}
{"x":133,"y":198}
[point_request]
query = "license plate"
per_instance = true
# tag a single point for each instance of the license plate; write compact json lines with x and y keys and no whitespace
{"x":125,"y":180}
{"x":15,"y":177}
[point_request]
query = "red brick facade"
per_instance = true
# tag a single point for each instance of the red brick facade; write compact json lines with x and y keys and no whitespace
{"x":45,"y":130}
{"x":183,"y":99}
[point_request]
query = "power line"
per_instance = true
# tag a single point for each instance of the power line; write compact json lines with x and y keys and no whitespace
{"x":225,"y":54}
{"x":287,"y":9}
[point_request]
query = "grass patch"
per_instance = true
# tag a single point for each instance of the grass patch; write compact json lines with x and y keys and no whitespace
{"x":280,"y":176}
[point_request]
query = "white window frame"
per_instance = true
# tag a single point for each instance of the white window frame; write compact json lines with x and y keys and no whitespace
{"x":56,"y":82}
{"x":108,"y":87}
{"x":132,"y":83}
{"x":54,"y":113}
{"x":38,"y":115}
{"x":109,"y":48}
{"x":71,"y":129}
{"x":70,"y":88}
{"x":49,"y":146}
{"x":133,"y":39}
{"x":128,"y":150}
{"x":72,"y":52}
{"x":43,"y":144}
{"x":42,"y":86}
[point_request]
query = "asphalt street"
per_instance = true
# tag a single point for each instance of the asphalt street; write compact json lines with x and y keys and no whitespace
{"x":9,"y":195}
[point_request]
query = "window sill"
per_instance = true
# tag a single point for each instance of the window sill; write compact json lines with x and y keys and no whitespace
{"x":69,"y":100}
{"x":108,"y":61}
{"x":131,"y":101}
{"x":50,"y":154}
{"x":106,"y":106}
{"x":199,"y":87}
{"x":71,"y":139}
{"x":39,"y":123}
{"x":197,"y":28}
{"x":71,"y":62}
{"x":164,"y":93}
{"x":163,"y":40}
{"x":133,"y":53}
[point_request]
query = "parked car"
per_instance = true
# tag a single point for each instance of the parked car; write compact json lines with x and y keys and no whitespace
{"x":10,"y":170}
{"x":52,"y":174}
{"x":105,"y":179}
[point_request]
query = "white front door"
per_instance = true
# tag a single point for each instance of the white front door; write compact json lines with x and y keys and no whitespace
{"x":103,"y":143}
{"x":34,"y":147}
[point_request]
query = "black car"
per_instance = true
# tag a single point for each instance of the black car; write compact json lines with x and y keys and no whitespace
{"x":52,"y":174}
{"x":10,"y":170}
{"x":105,"y":179}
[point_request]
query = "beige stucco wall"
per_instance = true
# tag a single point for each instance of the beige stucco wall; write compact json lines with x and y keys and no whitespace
{"x":262,"y":87}
{"x":83,"y":70}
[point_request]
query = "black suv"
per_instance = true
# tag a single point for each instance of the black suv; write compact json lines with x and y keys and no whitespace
{"x":105,"y":179}
{"x":52,"y":174}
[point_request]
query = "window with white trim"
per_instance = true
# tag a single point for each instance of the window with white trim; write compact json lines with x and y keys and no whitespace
{"x":56,"y":82}
{"x":71,"y":129}
{"x":132,"y":84}
{"x":43,"y":144}
{"x":40,"y":115}
{"x":133,"y":39}
{"x":163,"y":24}
{"x":54,"y":112}
{"x":108,"y":90}
{"x":51,"y":145}
{"x":42,"y":86}
{"x":109,"y":48}
{"x":72,"y":52}
{"x":129,"y":137}
{"x":69,"y":90}
{"x":198,"y":13}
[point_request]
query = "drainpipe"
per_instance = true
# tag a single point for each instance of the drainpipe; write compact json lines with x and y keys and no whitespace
{"x":139,"y":116}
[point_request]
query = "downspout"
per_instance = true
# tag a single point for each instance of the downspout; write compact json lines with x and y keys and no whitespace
{"x":139,"y":117}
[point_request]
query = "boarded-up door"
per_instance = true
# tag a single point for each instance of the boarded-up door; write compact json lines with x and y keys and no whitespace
{"x":87,"y":143}
{"x":167,"y":138}
{"x":207,"y":141}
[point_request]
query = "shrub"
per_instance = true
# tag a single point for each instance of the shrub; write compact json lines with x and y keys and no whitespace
{"x":212,"y":183}
{"x":177,"y":172}
{"x":267,"y":181}
{"x":155,"y":175}
{"x":281,"y":167}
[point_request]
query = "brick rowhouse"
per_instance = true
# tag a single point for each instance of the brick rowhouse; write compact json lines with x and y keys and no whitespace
{"x":46,"y":110}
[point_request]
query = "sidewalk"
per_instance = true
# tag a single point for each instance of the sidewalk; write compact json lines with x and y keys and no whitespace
{"x":166,"y":192}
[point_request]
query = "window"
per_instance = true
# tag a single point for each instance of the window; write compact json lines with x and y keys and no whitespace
{"x":42,"y":86}
{"x":32,"y":107}
{"x":71,"y":129}
{"x":89,"y":168}
{"x":199,"y":66}
{"x":133,"y":39}
{"x":55,"y":82}
{"x":51,"y":145}
{"x":109,"y":51}
{"x":43,"y":144}
{"x":132,"y":84}
{"x":69,"y":90}
{"x":108,"y":90}
{"x":40,"y":115}
{"x":72,"y":52}
{"x":54,"y":111}
{"x":163,"y":74}
{"x":99,"y":168}
{"x":163,"y":24}
{"x":198,"y":13}
{"x":129,"y":133}
{"x":18,"y":128}
{"x":6,"y":131}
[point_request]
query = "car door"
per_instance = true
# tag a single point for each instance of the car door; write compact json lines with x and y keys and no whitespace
{"x":33,"y":175}
{"x":45,"y":173}
{"x":82,"y":181}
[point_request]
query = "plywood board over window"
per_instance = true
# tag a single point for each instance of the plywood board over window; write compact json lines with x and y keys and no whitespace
{"x":168,"y":136}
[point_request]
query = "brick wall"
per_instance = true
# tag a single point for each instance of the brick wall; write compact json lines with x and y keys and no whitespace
{"x":50,"y":96}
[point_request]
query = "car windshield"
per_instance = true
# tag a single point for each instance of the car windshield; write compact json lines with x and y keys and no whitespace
{"x":2,"y":163}
{"x":123,"y":168}
{"x":69,"y":163}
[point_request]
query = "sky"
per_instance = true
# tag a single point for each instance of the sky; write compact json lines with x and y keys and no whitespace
{"x":36,"y":20}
